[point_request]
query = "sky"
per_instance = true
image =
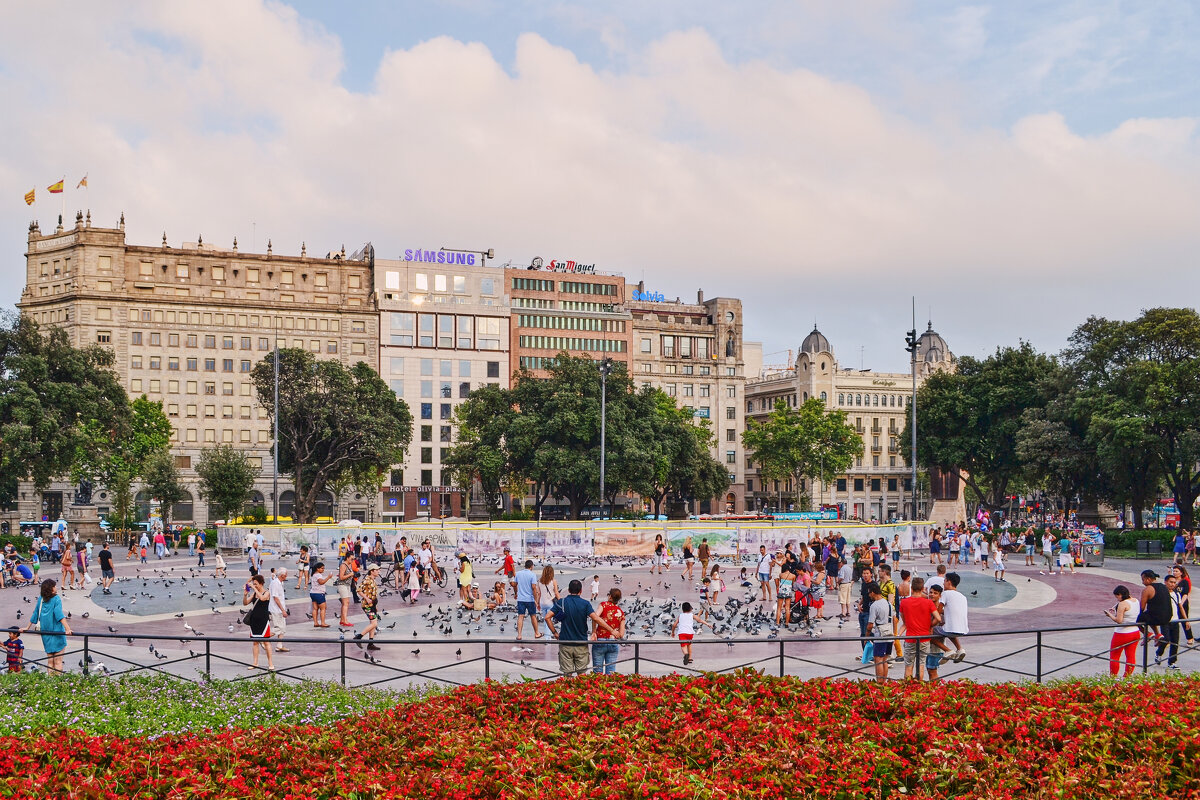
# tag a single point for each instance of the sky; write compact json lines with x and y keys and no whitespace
{"x":1016,"y":167}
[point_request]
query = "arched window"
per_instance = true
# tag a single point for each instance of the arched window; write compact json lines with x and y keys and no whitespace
{"x":286,"y":501}
{"x":841,"y":399}
{"x":824,"y":397}
{"x":806,"y":397}
{"x":858,"y":399}
{"x":256,"y":501}
{"x":875,"y":400}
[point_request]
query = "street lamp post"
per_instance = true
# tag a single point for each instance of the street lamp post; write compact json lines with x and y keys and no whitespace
{"x":605,"y":367}
{"x":275,"y":471}
{"x":911,"y":347}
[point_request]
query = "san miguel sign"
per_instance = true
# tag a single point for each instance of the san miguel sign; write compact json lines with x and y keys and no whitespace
{"x":563,"y":266}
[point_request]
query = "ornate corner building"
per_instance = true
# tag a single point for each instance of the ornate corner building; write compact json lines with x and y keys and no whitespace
{"x":186,"y":325}
{"x":879,"y":484}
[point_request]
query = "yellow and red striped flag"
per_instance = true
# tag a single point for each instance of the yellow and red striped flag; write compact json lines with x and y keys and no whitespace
{"x":55,"y":188}
{"x":29,"y":197}
{"x":82,"y":183}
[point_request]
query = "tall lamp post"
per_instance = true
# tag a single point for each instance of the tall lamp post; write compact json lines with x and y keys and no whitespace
{"x":605,"y":368}
{"x":275,"y":471}
{"x":911,"y":342}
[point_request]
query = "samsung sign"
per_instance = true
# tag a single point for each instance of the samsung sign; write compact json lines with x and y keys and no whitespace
{"x":440,"y":257}
{"x":648,"y":297}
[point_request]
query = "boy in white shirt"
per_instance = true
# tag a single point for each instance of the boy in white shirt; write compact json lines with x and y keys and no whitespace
{"x":595,"y":587}
{"x":685,"y":628}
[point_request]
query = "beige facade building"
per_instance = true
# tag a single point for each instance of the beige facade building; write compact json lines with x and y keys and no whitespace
{"x":186,"y":325}
{"x":444,"y":331}
{"x":694,"y":353}
{"x":878,"y":485}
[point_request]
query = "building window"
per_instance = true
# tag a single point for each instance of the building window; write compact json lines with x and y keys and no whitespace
{"x":210,"y":341}
{"x":426,"y":455}
{"x":858,"y":484}
{"x":227,"y":365}
{"x":731,"y":413}
{"x":155,"y":362}
{"x":730,"y":456}
{"x":444,"y":433}
{"x":891,"y":484}
{"x":730,"y":435}
{"x":426,"y":388}
{"x":427,"y":477}
{"x":173,"y":363}
{"x":245,"y":365}
{"x":731,"y":391}
{"x":493,"y":369}
{"x":426,"y":410}
{"x":447,"y":411}
{"x":464,"y":389}
{"x":103,"y":337}
{"x":191,"y":364}
{"x":875,"y":484}
{"x":135,"y":362}
{"x":841,"y":484}
{"x":426,"y":433}
{"x":645,"y":345}
{"x":135,"y":337}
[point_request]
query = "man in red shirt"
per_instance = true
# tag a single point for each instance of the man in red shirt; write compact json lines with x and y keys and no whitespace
{"x":920,"y":614}
{"x":509,"y":568}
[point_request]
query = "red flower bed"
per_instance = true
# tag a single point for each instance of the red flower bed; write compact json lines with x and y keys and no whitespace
{"x":731,"y":736}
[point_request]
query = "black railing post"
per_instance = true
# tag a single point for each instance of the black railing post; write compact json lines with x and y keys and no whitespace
{"x":207,"y":658}
{"x":342,"y":660}
{"x":781,"y":658}
{"x":487,"y":661}
{"x":86,"y":655}
{"x":1145,"y":650}
{"x":637,"y":653}
{"x":1039,"y":656}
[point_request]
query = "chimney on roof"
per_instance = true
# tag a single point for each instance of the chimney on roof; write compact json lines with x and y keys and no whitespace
{"x":700,"y":297}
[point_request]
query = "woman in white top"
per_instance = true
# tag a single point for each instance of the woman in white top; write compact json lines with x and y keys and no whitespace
{"x":549,"y":592}
{"x":1126,"y":635}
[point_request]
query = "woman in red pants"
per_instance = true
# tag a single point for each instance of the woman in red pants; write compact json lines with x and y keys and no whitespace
{"x":1126,"y":636}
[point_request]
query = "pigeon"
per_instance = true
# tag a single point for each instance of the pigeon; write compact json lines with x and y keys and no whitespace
{"x":458,"y":654}
{"x":85,"y":615}
{"x":161,"y":655}
{"x":187,"y":627}
{"x":111,"y":629}
{"x":417,"y":652}
{"x":975,"y":592}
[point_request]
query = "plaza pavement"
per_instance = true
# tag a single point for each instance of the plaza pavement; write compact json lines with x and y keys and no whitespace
{"x":155,"y":594}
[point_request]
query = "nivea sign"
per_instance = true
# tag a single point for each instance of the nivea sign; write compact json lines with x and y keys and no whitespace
{"x":440,"y":257}
{"x":648,"y":297}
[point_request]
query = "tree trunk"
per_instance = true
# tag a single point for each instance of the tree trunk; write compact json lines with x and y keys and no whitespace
{"x":1138,"y":522}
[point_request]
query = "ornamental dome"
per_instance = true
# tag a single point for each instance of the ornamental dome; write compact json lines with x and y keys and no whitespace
{"x":931,"y":347}
{"x":815,"y":342}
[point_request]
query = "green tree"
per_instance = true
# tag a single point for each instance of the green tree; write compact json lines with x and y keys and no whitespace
{"x":670,"y":454}
{"x":226,"y":478}
{"x":807,"y":441}
{"x":161,"y":479}
{"x":53,"y":397}
{"x":970,"y":418}
{"x":479,"y":452}
{"x":1144,"y":375}
{"x":333,"y":420}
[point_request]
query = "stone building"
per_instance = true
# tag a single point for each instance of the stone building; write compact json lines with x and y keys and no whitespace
{"x":878,"y":485}
{"x":186,"y":325}
{"x":694,"y":353}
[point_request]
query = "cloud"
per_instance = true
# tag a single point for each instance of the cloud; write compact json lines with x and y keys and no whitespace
{"x":790,"y":189}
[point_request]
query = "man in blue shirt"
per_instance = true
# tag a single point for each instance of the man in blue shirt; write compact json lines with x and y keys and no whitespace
{"x":526,"y":599}
{"x":573,"y":613}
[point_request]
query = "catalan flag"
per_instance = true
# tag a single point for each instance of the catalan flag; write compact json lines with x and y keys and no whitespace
{"x":55,"y":188}
{"x":82,"y":183}
{"x":29,"y":197}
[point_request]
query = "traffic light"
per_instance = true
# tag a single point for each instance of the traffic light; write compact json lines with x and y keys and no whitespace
{"x":910,"y":341}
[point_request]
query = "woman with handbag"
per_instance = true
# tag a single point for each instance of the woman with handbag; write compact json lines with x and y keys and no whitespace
{"x":52,"y":625}
{"x":345,"y":575}
{"x":258,"y":620}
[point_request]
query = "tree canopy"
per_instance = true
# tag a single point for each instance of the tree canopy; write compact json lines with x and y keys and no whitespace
{"x":226,"y":478}
{"x":56,"y":401}
{"x":546,"y":431}
{"x":807,"y":441}
{"x":333,"y":420}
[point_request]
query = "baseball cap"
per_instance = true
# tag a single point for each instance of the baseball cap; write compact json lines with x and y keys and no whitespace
{"x":373,"y":568}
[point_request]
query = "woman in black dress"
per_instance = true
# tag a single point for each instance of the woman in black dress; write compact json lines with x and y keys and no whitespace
{"x":258,"y":619}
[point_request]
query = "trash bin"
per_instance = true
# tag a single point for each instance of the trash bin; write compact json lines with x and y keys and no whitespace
{"x":1093,"y":554}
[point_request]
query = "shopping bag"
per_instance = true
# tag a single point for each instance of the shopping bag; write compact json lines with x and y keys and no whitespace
{"x":868,"y":652}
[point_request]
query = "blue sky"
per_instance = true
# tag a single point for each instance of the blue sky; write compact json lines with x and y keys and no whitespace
{"x":1017,"y":166}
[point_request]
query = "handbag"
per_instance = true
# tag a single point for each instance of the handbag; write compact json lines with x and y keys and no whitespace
{"x":868,"y":652}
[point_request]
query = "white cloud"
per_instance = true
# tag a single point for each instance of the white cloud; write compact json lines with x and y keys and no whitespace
{"x":799,"y":193}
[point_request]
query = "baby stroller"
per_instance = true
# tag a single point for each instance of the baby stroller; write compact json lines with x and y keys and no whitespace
{"x":807,"y":600}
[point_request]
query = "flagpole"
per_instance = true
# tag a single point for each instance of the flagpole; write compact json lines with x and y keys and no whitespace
{"x":63,"y":183}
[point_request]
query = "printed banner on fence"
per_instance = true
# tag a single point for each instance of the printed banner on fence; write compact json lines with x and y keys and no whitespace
{"x":490,"y":542}
{"x":635,"y":542}
{"x":721,"y":541}
{"x":547,"y":544}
